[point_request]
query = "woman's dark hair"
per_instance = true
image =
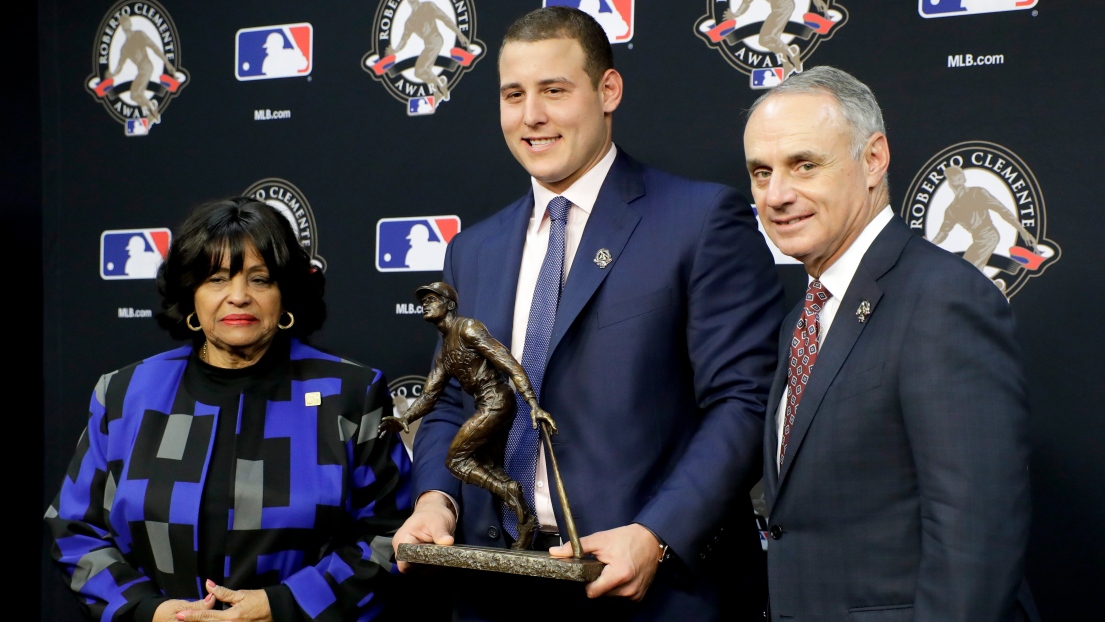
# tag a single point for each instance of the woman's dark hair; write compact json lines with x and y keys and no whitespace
{"x":230,"y":226}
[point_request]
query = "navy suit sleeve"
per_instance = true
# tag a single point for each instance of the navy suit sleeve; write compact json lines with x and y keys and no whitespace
{"x":437,"y":430}
{"x":734,"y":309}
{"x":965,"y":409}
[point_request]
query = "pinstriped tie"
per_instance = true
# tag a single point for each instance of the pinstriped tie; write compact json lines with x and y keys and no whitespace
{"x":522,"y":443}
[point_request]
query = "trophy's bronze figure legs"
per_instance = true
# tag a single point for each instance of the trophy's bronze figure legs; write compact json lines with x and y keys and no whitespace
{"x":472,"y":459}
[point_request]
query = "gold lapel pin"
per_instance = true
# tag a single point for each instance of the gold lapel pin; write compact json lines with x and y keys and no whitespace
{"x":603,"y":258}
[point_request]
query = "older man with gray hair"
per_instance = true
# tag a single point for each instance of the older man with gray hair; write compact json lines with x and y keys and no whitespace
{"x":896,"y":453}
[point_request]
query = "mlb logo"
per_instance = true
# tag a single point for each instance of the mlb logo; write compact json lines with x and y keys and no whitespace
{"x":615,"y":16}
{"x":415,"y":244}
{"x":132,"y":253}
{"x":957,"y":8}
{"x":267,"y":52}
{"x":138,"y":127}
{"x":766,"y":78}
{"x":418,"y":106}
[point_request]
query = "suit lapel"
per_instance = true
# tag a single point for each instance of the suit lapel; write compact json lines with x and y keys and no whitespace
{"x":846,"y":329}
{"x":500,"y":261}
{"x":611,"y":223}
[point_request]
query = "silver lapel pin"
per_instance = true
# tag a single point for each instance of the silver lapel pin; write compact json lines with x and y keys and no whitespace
{"x":603,"y":258}
{"x":863,"y":311}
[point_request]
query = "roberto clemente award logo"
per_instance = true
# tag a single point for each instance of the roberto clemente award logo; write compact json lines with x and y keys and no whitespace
{"x":136,"y":68}
{"x":769,"y":39}
{"x":979,"y":200}
{"x":292,"y":204}
{"x":421,"y":49}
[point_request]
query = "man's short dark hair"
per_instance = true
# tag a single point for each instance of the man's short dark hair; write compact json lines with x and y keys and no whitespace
{"x":561,"y":22}
{"x":229,"y":226}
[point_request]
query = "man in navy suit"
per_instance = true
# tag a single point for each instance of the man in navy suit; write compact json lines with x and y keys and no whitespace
{"x":657,"y":368}
{"x":896,"y":454}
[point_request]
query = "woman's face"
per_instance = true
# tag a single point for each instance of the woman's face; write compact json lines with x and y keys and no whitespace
{"x":239,"y":314}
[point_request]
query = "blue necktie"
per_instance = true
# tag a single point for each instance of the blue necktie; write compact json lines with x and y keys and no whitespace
{"x":523,"y":441}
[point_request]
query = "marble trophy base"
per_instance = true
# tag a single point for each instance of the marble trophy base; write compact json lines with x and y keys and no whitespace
{"x":529,"y":563}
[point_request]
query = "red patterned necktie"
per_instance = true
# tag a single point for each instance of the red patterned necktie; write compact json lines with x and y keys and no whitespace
{"x":803,"y":354}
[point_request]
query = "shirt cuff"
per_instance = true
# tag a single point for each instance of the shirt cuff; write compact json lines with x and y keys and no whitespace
{"x":453,"y":505}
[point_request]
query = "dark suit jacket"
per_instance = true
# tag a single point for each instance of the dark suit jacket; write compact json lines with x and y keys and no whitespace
{"x":657,"y":374}
{"x":904,"y":491}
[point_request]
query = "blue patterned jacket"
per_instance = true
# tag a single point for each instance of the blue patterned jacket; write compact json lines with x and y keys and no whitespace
{"x":315,"y":495}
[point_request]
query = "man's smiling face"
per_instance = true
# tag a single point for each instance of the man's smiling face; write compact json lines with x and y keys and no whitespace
{"x":554,"y":120}
{"x":812,"y":196}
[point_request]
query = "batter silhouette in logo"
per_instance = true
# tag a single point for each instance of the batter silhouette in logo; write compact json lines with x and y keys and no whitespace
{"x":136,"y":49}
{"x":971,"y":209}
{"x":615,"y":16}
{"x":771,"y":32}
{"x":281,"y":61}
{"x":611,"y":21}
{"x":142,"y":263}
{"x":423,"y":22}
{"x":425,"y":254}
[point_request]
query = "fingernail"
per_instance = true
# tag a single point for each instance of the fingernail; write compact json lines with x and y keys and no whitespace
{"x":210,"y":583}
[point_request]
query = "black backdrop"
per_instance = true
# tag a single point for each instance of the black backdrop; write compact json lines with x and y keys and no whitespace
{"x":1033,"y":88}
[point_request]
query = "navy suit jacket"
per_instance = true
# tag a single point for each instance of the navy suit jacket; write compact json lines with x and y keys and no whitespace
{"x":904,"y":491}
{"x":657,"y":376}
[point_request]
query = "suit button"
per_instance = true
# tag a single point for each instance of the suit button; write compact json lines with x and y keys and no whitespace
{"x":492,"y":532}
{"x":776,"y":532}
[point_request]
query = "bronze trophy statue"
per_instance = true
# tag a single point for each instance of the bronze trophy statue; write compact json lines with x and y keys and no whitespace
{"x":482,"y":365}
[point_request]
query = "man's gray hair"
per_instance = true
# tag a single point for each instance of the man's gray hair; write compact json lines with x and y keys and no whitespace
{"x":857,"y":102}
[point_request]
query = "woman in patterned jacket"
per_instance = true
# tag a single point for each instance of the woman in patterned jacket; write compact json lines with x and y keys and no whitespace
{"x":240,"y":472}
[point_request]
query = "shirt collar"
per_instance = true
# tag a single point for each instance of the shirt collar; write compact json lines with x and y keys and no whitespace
{"x":583,"y":193}
{"x":838,"y":276}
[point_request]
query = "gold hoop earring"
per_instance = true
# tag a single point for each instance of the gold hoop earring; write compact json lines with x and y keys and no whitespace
{"x":291,"y":322}
{"x":188,"y":323}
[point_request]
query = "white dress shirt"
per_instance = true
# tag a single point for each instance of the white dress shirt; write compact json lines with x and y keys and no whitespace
{"x":836,"y":279}
{"x":582,"y":194}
